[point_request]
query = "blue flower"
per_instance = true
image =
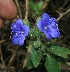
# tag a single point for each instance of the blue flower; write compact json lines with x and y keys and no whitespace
{"x":19,"y":30}
{"x":49,"y":26}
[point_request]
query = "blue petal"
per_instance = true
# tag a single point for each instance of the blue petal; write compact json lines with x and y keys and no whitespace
{"x":48,"y":35}
{"x":45,"y":18}
{"x":55,"y":33}
{"x":18,"y":39}
{"x":26,"y":30}
{"x":13,"y":24}
{"x":52,"y":22}
{"x":39,"y":25}
{"x":19,"y":23}
{"x":14,"y":27}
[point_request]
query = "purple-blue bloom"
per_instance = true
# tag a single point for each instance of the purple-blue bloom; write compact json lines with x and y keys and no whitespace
{"x":49,"y":26}
{"x":19,"y":30}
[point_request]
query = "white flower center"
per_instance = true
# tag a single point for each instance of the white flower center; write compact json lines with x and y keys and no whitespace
{"x":14,"y":25}
{"x":16,"y":34}
{"x":45,"y":27}
{"x":22,"y":32}
{"x":11,"y":27}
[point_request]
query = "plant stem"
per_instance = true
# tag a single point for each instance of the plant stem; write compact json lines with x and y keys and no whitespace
{"x":26,"y":57}
{"x":27,"y":9}
{"x":18,"y":7}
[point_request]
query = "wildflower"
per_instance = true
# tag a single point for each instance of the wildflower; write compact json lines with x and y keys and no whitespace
{"x":19,"y":30}
{"x":49,"y":26}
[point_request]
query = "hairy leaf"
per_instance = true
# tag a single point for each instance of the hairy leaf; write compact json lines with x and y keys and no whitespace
{"x":29,"y":63}
{"x":36,"y":57}
{"x":51,"y":64}
{"x":60,"y":51}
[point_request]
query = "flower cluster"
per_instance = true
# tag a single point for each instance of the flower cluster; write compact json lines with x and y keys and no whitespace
{"x":46,"y":24}
{"x":19,"y":30}
{"x":49,"y":26}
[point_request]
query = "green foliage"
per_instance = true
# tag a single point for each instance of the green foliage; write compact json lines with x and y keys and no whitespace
{"x":34,"y":33}
{"x":59,"y":51}
{"x":36,"y":57}
{"x":26,"y":22}
{"x":39,"y":5}
{"x":37,"y":44}
{"x":29,"y":63}
{"x":32,"y":5}
{"x":52,"y":64}
{"x":36,"y":7}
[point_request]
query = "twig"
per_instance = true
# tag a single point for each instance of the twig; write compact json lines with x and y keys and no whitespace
{"x":12,"y":58}
{"x":3,"y":63}
{"x":45,"y":4}
{"x":27,"y":9}
{"x":65,"y":67}
{"x":65,"y":3}
{"x":61,"y":15}
{"x":26,"y":57}
{"x":18,"y":7}
{"x":2,"y":41}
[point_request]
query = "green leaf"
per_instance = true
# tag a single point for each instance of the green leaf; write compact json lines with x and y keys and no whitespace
{"x":39,"y":5}
{"x":59,"y":51}
{"x":39,"y":55}
{"x":26,"y":22}
{"x":34,"y":33}
{"x":29,"y":63}
{"x":35,"y":9}
{"x":51,"y":64}
{"x":32,"y":5}
{"x":36,"y":57}
{"x":37,"y":44}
